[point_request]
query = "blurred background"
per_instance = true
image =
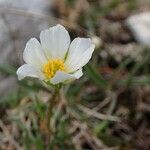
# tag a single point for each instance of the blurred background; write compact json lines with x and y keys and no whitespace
{"x":109,"y":107}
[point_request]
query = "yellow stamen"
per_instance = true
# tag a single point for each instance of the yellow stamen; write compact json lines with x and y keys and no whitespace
{"x":52,"y":66}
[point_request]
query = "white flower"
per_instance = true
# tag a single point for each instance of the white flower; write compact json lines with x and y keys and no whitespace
{"x":55,"y":59}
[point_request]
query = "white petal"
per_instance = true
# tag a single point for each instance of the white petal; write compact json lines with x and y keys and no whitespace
{"x":79,"y":54}
{"x":65,"y":77}
{"x":55,"y":42}
{"x":34,"y":54}
{"x":78,"y":73}
{"x":27,"y":70}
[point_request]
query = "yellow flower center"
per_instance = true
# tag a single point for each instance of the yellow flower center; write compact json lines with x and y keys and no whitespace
{"x":52,"y":66}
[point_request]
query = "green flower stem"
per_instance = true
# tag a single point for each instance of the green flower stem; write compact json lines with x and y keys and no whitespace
{"x":50,"y":108}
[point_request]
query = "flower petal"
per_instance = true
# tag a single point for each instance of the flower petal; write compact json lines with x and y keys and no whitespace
{"x":79,"y":54}
{"x":27,"y":70}
{"x":55,"y":42}
{"x":61,"y":76}
{"x":34,"y":54}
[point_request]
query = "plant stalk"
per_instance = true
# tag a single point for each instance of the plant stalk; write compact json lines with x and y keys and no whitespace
{"x":52,"y":101}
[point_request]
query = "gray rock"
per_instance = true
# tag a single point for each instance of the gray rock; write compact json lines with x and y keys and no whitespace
{"x":19,"y":21}
{"x":139,"y":25}
{"x":5,"y":86}
{"x":38,"y":6}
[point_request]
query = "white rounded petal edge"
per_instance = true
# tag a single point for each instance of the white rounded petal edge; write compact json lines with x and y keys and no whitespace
{"x":55,"y":41}
{"x":80,"y":53}
{"x":27,"y":70}
{"x":63,"y":77}
{"x":84,"y":59}
{"x":34,"y":54}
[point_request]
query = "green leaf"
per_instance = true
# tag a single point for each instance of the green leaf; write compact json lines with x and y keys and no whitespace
{"x":95,"y":76}
{"x":7,"y":69}
{"x":145,"y":80}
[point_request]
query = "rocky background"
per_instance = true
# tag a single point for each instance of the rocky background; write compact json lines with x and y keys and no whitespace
{"x":116,"y":82}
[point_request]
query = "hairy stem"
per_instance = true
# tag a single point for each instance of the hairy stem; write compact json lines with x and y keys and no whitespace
{"x":50,"y":108}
